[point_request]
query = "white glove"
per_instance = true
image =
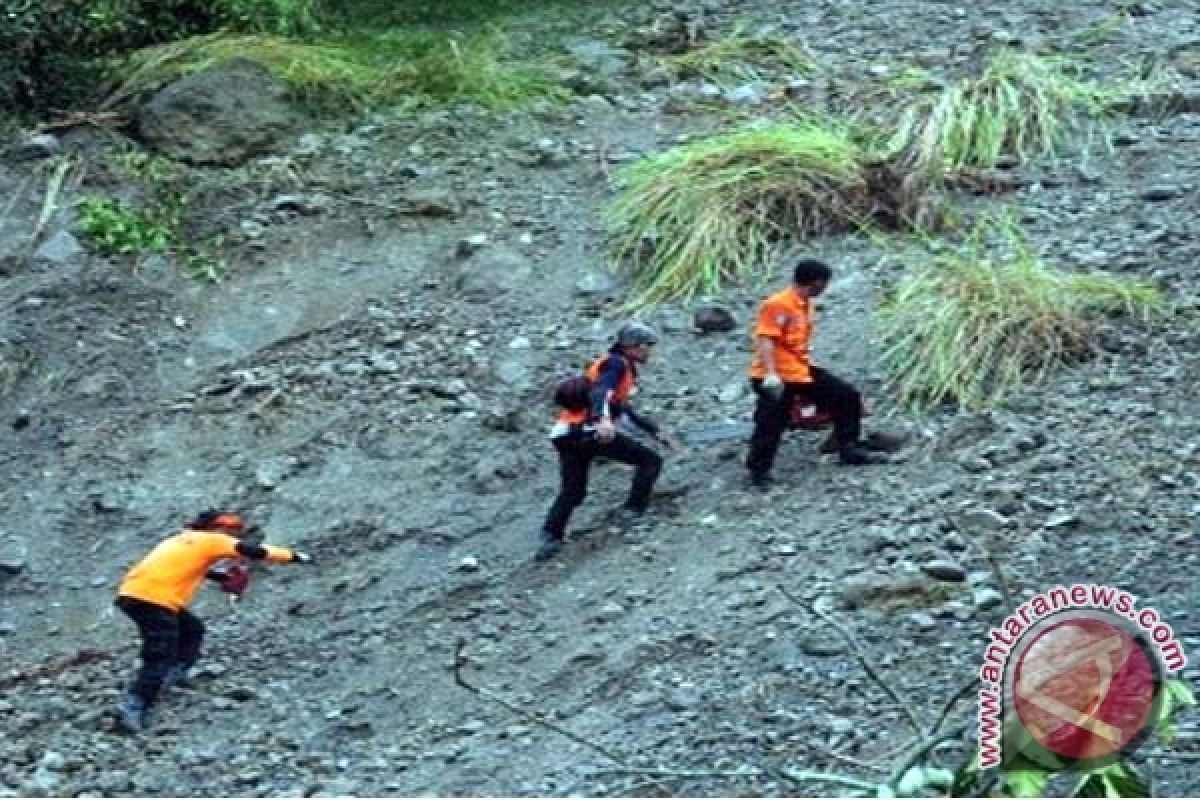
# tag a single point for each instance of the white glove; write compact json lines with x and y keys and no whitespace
{"x":773,"y":385}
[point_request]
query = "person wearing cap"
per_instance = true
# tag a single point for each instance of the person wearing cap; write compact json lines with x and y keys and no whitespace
{"x":579,"y":436}
{"x":156,"y":592}
{"x":781,"y":370}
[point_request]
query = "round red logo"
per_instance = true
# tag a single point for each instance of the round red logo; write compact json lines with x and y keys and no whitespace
{"x":1085,"y":687}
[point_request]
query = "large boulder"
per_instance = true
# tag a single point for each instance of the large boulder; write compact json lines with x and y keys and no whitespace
{"x":222,"y":115}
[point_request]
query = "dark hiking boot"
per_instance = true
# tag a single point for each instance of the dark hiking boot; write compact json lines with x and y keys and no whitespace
{"x":551,"y":546}
{"x":178,"y":676}
{"x":131,"y":714}
{"x":884,"y":442}
{"x":759,"y":482}
{"x":856,"y":455}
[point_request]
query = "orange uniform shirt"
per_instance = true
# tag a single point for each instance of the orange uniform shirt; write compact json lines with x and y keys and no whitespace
{"x":172,"y":572}
{"x":785,"y":318}
{"x":620,"y":395}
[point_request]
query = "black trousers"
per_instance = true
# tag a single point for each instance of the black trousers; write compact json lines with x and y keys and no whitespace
{"x":168,"y":638}
{"x":828,"y":392}
{"x":576,"y":450}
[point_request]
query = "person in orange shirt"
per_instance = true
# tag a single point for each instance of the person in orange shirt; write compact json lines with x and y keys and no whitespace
{"x":581,"y":435}
{"x":781,"y":370}
{"x":155,"y":594}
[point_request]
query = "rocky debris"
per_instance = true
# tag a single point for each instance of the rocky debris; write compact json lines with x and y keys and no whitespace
{"x":392,"y":399}
{"x":885,"y":590}
{"x":306,"y":204}
{"x":714,"y":319}
{"x":945,"y":570}
{"x":33,"y":147}
{"x":594,"y":283}
{"x":223,"y":115}
{"x":490,"y":272}
{"x":986,"y":598}
{"x":13,"y":555}
{"x":58,"y":250}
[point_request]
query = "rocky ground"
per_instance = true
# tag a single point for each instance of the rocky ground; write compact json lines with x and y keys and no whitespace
{"x":369,"y":385}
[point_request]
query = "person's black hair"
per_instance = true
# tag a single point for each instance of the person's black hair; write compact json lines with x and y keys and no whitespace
{"x":204,"y":520}
{"x":809,"y":271}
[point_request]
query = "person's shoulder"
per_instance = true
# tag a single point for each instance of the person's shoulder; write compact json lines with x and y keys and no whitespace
{"x":777,"y":302}
{"x":611,"y":360}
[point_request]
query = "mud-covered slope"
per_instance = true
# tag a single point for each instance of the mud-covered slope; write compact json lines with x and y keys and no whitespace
{"x":370,"y":385}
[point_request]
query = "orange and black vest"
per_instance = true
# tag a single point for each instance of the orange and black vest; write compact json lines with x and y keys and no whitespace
{"x":625,"y":387}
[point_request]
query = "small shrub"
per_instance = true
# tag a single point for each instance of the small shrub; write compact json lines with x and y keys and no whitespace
{"x":117,"y":229}
{"x":967,"y":329}
{"x":445,"y":68}
{"x":48,"y":50}
{"x":280,"y":17}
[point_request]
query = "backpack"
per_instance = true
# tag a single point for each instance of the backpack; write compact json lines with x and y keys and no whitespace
{"x":573,"y":392}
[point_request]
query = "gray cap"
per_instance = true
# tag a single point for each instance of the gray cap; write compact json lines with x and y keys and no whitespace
{"x":635,"y":333}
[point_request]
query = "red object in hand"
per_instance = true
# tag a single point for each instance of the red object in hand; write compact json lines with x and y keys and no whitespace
{"x":807,"y":416}
{"x":236,"y":579}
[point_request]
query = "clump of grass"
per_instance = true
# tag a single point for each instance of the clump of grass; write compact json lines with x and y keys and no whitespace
{"x":968,"y":329}
{"x":319,"y":74}
{"x":703,"y":213}
{"x":742,"y":57}
{"x":1022,"y":105}
{"x":358,"y":71}
{"x":444,"y":68}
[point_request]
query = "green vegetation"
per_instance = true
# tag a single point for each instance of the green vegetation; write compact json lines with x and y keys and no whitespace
{"x":48,"y":50}
{"x":968,"y":328}
{"x":358,"y":71}
{"x":116,"y":228}
{"x":692,"y":217}
{"x":1023,"y":105}
{"x":353,"y":54}
{"x":1023,"y":778}
{"x":742,"y":57}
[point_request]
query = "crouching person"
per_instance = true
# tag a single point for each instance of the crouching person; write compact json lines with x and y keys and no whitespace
{"x":156,"y":592}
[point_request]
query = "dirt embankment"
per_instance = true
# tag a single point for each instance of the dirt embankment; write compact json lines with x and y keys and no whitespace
{"x":368,"y":385}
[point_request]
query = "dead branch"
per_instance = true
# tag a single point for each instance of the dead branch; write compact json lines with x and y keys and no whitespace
{"x":50,"y":200}
{"x":966,"y":689}
{"x":77,"y":118}
{"x":460,"y":662}
{"x":796,"y":776}
{"x":993,"y":562}
{"x":909,"y":712}
{"x":922,"y":748}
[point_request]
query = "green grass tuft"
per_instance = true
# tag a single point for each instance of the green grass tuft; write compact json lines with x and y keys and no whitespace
{"x":742,"y":57}
{"x":711,"y":210}
{"x":359,"y":71}
{"x":1023,"y":105}
{"x":704,"y":213}
{"x":968,"y":329}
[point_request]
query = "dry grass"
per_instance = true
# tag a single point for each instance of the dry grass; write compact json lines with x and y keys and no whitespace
{"x":969,"y":327}
{"x":744,"y":56}
{"x":697,"y":216}
{"x":1022,"y":105}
